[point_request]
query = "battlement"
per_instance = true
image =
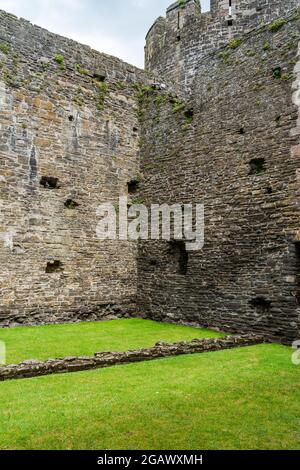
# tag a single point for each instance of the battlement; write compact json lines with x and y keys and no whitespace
{"x":175,"y":44}
{"x":184,"y":6}
{"x":177,"y":15}
{"x":178,"y":12}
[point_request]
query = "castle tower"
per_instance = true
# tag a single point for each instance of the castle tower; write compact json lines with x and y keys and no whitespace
{"x":164,"y":37}
{"x":179,"y":11}
{"x":176,"y":44}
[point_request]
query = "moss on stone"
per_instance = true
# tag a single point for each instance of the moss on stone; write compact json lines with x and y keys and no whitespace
{"x":178,"y":106}
{"x":81,"y":70}
{"x":138,"y":201}
{"x":296,"y":15}
{"x":226,"y":56}
{"x":286,"y":77}
{"x":10,"y":79}
{"x":277,"y":25}
{"x":60,"y":60}
{"x":78,"y":97}
{"x":235,"y":43}
{"x":102,"y":90}
{"x":121,"y":85}
{"x":250,"y":53}
{"x":5,"y":48}
{"x":181,"y":3}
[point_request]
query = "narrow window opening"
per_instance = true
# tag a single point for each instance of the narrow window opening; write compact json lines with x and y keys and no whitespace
{"x":178,"y":20}
{"x":49,"y":182}
{"x":181,"y":255}
{"x":54,"y":267}
{"x":133,"y":186}
{"x":230,"y":7}
{"x":277,"y":73}
{"x":261,"y":304}
{"x":257,"y":166}
{"x":71,"y":204}
{"x":230,"y":22}
{"x":178,"y":38}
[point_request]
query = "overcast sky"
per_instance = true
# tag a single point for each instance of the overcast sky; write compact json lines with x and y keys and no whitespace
{"x":117,"y":27}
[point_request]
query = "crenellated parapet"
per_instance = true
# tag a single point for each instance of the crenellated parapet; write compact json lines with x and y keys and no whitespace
{"x":180,"y":11}
{"x":175,"y":44}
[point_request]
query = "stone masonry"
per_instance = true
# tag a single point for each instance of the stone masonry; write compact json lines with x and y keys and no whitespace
{"x":69,"y":140}
{"x":213,"y":119}
{"x":101,"y":360}
{"x":233,"y":144}
{"x":176,"y":45}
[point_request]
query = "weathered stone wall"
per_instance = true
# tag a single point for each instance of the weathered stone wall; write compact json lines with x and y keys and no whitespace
{"x":238,"y":154}
{"x":70,"y":139}
{"x":176,"y":45}
{"x":101,"y":360}
{"x":67,"y":113}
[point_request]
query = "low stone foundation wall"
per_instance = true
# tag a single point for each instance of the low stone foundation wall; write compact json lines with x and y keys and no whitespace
{"x":28,"y":369}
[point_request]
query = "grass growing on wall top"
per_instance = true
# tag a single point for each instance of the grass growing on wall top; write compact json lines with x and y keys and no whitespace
{"x":81,"y":339}
{"x":246,"y":398}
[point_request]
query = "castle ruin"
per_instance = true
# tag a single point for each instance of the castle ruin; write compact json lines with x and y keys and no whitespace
{"x":214,"y":118}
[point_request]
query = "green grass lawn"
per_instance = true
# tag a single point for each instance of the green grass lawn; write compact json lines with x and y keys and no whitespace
{"x":55,"y":341}
{"x":246,"y":398}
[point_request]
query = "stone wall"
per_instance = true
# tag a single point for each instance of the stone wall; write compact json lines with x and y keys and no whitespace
{"x":69,"y":138}
{"x":235,"y":147}
{"x":76,"y":126}
{"x":176,"y":45}
{"x":101,"y":360}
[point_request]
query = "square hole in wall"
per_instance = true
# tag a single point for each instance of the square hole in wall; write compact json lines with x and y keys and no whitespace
{"x":54,"y":266}
{"x":297,"y":249}
{"x":277,"y":73}
{"x":133,"y":186}
{"x":99,"y":76}
{"x":189,"y":115}
{"x":49,"y":182}
{"x":261,"y":304}
{"x":257,"y":166}
{"x":71,"y":204}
